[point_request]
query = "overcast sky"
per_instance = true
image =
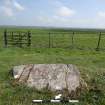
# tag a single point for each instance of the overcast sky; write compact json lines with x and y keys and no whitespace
{"x":58,"y":13}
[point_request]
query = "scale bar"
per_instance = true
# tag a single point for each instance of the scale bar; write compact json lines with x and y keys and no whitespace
{"x":55,"y":101}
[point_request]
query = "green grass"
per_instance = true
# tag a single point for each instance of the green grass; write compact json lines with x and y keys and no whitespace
{"x":91,"y":64}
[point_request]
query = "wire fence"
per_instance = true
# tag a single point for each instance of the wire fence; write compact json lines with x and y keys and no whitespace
{"x":78,"y":40}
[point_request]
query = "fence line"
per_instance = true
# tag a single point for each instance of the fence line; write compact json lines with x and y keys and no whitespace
{"x":54,"y":39}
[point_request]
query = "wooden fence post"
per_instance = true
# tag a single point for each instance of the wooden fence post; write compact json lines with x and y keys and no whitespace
{"x":73,"y":39}
{"x":52,"y":40}
{"x":20,"y":40}
{"x":12,"y":38}
{"x":99,"y":40}
{"x":49,"y":39}
{"x":5,"y":38}
{"x":29,"y":39}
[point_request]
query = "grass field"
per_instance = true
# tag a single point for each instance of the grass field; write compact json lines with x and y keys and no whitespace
{"x":90,"y":62}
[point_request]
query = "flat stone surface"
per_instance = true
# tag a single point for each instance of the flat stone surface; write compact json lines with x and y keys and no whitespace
{"x":52,"y":76}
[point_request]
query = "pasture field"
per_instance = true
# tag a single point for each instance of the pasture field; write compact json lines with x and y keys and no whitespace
{"x":82,"y":53}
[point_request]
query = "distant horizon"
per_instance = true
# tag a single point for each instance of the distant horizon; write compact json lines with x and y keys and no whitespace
{"x":55,"y":27}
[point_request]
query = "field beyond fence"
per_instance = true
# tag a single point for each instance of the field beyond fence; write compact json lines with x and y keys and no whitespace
{"x":79,"y":40}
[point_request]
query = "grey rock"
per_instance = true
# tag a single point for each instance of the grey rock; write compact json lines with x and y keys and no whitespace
{"x":52,"y":76}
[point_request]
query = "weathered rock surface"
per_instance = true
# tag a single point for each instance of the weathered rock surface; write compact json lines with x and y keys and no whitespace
{"x":52,"y":76}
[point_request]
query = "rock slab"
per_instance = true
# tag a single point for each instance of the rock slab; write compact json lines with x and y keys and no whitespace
{"x":52,"y":76}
